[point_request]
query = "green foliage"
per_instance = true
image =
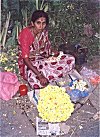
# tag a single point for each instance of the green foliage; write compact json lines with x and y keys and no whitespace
{"x":41,"y":5}
{"x":67,"y":19}
{"x":12,"y":39}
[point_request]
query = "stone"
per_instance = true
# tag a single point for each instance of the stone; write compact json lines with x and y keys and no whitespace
{"x":94,"y":98}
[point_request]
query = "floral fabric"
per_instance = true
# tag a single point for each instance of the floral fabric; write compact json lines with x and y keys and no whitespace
{"x":36,"y":49}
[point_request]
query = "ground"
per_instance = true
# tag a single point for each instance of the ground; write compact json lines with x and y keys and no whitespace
{"x":17,"y":117}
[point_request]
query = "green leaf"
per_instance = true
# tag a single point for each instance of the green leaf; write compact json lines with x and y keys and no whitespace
{"x":46,"y":7}
{"x":37,"y":4}
{"x":4,"y":3}
{"x":10,"y":41}
{"x":41,"y":6}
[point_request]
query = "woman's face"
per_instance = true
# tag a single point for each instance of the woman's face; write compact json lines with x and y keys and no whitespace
{"x":39,"y":25}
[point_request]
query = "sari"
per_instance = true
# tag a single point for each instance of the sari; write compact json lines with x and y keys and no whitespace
{"x":37,"y":49}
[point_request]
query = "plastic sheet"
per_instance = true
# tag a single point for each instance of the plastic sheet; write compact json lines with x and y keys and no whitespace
{"x":9,"y":85}
{"x":90,"y":75}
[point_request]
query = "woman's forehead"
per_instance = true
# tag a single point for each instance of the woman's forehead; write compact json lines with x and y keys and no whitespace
{"x":41,"y":19}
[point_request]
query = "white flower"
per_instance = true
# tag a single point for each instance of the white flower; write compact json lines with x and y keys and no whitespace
{"x":79,"y":84}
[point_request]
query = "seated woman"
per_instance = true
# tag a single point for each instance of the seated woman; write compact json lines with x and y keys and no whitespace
{"x":36,"y":64}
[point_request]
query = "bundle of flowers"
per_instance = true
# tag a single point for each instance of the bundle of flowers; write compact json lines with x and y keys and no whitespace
{"x":78,"y":89}
{"x":54,"y":105}
{"x":79,"y":84}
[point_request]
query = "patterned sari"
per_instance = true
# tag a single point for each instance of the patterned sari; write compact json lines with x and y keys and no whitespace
{"x":37,"y":49}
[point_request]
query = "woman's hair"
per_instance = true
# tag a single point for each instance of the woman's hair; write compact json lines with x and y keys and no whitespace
{"x":38,"y":14}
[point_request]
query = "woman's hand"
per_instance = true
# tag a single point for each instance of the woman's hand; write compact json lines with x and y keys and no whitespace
{"x":55,"y":53}
{"x":43,"y":81}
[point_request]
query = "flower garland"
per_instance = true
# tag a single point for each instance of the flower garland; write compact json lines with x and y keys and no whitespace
{"x":54,"y":105}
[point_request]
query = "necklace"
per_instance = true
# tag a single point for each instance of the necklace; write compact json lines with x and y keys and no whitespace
{"x":36,"y":43}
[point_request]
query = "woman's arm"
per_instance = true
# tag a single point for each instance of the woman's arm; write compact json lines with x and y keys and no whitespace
{"x":30,"y":66}
{"x":44,"y":81}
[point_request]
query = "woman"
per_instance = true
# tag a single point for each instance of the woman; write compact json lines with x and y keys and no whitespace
{"x":35,"y":51}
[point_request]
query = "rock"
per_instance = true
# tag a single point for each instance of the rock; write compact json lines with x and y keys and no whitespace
{"x":97,"y":116}
{"x":64,"y":128}
{"x":94,"y":98}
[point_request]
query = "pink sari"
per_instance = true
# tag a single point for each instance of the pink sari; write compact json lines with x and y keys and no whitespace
{"x":36,"y":49}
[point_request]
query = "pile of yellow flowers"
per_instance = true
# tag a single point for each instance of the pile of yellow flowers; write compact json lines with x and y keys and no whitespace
{"x":54,"y":104}
{"x":9,"y":61}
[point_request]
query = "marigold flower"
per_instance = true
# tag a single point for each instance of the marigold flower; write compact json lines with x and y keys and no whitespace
{"x":54,"y":104}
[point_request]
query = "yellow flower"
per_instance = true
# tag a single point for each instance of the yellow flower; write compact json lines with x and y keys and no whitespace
{"x":3,"y":57}
{"x":54,"y":104}
{"x":13,"y":54}
{"x":8,"y":69}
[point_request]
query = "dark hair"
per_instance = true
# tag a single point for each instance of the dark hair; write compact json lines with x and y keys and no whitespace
{"x":38,"y":14}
